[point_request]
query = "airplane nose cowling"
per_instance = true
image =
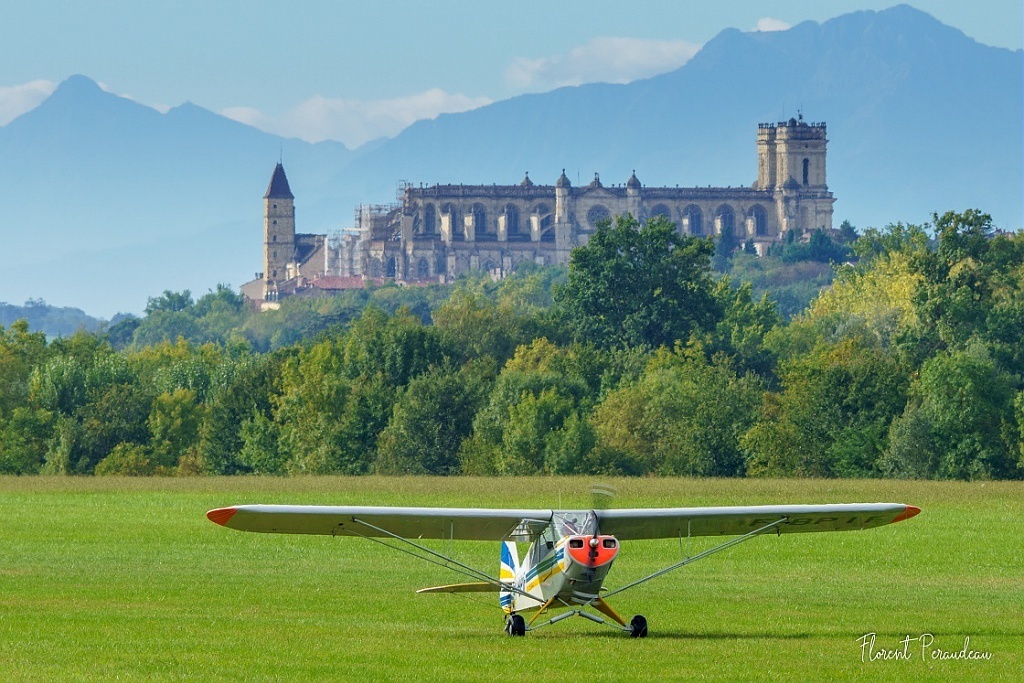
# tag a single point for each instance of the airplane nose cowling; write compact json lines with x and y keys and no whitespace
{"x":593,"y":551}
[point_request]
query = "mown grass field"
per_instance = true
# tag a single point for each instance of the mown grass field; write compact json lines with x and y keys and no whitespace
{"x":104,"y":579}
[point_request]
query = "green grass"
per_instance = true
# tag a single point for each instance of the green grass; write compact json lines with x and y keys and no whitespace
{"x":104,"y":579}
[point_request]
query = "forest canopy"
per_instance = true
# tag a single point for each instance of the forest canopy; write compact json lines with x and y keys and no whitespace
{"x":638,"y":358}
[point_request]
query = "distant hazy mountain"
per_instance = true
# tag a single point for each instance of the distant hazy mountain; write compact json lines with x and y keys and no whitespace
{"x":108,"y":201}
{"x":920,"y":118}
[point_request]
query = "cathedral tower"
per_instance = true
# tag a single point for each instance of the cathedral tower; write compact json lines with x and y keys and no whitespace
{"x":278,"y":230}
{"x":791,"y":153}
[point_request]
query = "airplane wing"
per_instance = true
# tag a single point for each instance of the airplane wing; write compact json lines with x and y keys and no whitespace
{"x":734,"y":521}
{"x":474,"y":587}
{"x":467,"y":524}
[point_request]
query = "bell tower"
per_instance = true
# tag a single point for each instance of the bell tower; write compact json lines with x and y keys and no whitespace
{"x":278,"y":230}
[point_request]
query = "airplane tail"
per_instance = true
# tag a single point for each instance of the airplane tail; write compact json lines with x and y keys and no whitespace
{"x":507,"y":574}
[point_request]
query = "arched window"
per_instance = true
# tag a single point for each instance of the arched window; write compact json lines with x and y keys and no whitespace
{"x":760,"y":216}
{"x":440,"y":266}
{"x":392,"y":268}
{"x":480,"y":219}
{"x":661,"y":210}
{"x":727,"y":217}
{"x":696,"y":219}
{"x":511,"y":219}
{"x":807,"y":168}
{"x":429,"y":220}
{"x":596,"y":215}
{"x":422,"y":269}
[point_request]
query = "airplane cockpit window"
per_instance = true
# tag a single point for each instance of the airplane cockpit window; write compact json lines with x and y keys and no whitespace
{"x":575,"y":523}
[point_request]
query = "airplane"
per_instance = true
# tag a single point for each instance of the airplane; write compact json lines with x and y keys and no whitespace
{"x":570,"y":551}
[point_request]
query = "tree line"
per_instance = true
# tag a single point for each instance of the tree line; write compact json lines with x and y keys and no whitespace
{"x":636,"y":359}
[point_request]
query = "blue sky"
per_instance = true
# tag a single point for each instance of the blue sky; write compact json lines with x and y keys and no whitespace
{"x":352,"y":71}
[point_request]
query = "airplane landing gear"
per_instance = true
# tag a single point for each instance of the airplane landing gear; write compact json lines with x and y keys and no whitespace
{"x":515,"y":625}
{"x":638,"y":627}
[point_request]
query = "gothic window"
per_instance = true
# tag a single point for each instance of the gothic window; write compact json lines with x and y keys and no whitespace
{"x":727,"y":216}
{"x":760,"y":217}
{"x":375,"y":268}
{"x":512,"y":219}
{"x":422,"y":269}
{"x":661,"y":210}
{"x":429,"y":220}
{"x":807,"y":166}
{"x":696,"y":216}
{"x":596,"y":215}
{"x":274,"y":238}
{"x":440,"y":267}
{"x":480,"y":220}
{"x":392,"y":268}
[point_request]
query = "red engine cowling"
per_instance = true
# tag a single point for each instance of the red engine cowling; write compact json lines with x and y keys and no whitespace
{"x":592,"y":551}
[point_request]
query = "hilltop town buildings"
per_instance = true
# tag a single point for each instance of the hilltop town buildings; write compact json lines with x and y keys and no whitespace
{"x":436,"y":233}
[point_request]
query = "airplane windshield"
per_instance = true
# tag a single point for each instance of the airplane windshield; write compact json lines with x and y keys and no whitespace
{"x":574,"y":523}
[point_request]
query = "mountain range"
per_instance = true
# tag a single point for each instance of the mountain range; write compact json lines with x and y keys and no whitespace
{"x":109,"y":201}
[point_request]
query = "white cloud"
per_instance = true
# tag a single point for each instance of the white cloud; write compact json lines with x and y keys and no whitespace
{"x":354,"y":122}
{"x":15,"y":100}
{"x":608,"y":60}
{"x":768,"y":24}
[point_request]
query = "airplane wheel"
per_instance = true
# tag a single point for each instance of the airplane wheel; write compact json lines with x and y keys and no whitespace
{"x":638,"y":627}
{"x":515,"y":625}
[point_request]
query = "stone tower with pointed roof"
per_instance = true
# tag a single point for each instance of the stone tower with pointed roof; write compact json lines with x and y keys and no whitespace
{"x":278,"y":230}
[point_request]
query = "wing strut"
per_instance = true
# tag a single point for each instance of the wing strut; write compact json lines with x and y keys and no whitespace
{"x":710,"y":551}
{"x":459,"y":567}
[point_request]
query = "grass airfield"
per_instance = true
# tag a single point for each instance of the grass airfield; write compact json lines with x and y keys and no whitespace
{"x":111,"y":578}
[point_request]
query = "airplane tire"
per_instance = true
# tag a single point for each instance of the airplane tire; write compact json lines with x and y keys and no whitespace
{"x":515,"y":625}
{"x":638,"y":627}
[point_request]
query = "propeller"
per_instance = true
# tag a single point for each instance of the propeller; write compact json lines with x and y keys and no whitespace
{"x":601,"y":496}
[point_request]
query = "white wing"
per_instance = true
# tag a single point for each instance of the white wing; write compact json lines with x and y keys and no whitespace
{"x":467,"y":524}
{"x":735,"y":521}
{"x":487,"y":524}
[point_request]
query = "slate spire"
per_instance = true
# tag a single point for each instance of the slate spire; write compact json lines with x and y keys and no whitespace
{"x":278,"y":188}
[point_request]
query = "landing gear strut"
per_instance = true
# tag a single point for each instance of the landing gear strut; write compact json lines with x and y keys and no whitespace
{"x":515,"y":625}
{"x":638,"y":627}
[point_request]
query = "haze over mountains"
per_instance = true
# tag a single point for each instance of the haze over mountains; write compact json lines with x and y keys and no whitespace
{"x":109,"y":201}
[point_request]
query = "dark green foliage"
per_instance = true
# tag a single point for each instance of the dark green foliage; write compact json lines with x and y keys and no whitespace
{"x":430,"y":420}
{"x":631,"y":361}
{"x":832,"y":415}
{"x":635,"y":285}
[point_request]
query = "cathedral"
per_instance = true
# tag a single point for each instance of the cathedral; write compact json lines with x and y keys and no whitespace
{"x":436,"y":233}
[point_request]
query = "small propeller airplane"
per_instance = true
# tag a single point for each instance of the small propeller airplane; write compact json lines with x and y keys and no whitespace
{"x":570,"y":551}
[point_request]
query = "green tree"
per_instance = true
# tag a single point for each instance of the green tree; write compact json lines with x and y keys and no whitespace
{"x":174,"y":422}
{"x":832,"y":415}
{"x":170,"y":302}
{"x":23,"y":440}
{"x":960,"y":422}
{"x":683,"y":416}
{"x":239,"y":387}
{"x":430,"y":420}
{"x":635,"y":285}
{"x":517,"y":429}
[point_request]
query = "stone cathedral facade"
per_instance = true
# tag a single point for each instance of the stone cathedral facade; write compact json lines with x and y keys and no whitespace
{"x":436,"y":233}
